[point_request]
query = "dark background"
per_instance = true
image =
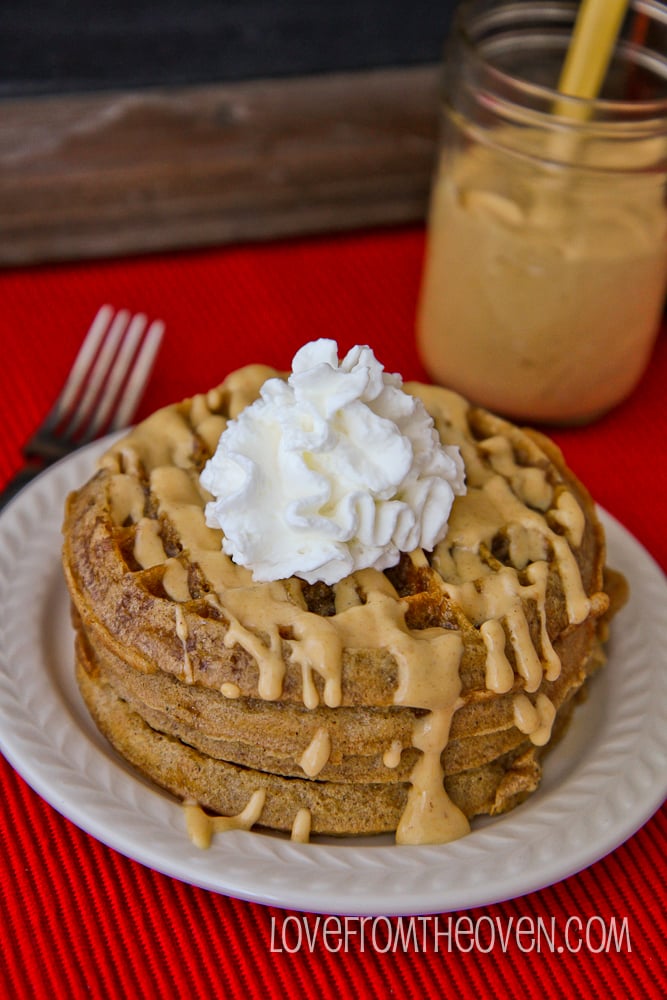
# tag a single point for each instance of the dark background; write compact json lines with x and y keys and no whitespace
{"x":61,"y":46}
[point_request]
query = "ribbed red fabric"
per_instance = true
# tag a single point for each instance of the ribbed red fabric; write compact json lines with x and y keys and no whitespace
{"x":78,"y":919}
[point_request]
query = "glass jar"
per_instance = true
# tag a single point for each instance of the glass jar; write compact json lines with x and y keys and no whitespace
{"x":546,"y":257}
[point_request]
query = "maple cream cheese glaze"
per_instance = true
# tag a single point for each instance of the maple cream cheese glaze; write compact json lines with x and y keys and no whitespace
{"x":513,"y":491}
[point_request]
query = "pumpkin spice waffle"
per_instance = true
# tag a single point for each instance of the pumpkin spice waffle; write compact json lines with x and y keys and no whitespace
{"x":407,"y":700}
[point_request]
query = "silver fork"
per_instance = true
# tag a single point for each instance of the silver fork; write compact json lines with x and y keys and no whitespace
{"x":101,"y":392}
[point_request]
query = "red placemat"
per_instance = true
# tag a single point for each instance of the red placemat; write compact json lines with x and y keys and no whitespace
{"x":81,"y":920}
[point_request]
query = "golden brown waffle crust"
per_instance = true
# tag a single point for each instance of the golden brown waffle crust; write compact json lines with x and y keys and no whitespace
{"x":176,"y":642}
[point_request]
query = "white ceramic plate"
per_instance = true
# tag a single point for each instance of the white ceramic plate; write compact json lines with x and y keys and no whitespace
{"x":601,"y":783}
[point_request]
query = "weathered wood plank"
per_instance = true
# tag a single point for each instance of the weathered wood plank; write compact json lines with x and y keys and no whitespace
{"x":127,"y":172}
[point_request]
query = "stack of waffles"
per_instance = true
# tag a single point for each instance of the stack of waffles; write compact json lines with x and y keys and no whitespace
{"x":404,"y":701}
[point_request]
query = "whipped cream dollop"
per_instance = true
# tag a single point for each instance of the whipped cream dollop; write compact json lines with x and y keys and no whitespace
{"x":334,"y":470}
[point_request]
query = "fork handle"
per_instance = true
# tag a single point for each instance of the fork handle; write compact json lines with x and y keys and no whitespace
{"x":21,"y":479}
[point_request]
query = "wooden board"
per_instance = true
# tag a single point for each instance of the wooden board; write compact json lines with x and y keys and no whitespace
{"x":127,"y":172}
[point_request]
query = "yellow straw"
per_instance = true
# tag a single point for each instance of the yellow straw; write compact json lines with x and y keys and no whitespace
{"x":589,"y":54}
{"x":588,"y":57}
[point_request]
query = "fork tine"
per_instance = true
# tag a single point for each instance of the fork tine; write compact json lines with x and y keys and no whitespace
{"x":117,"y":374}
{"x":81,"y":365}
{"x":141,"y":370}
{"x":98,"y":373}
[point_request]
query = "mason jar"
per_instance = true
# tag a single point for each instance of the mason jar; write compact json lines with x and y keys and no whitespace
{"x":546,"y":257}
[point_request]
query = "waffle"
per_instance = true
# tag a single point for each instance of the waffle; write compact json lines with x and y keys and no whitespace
{"x":407,"y":701}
